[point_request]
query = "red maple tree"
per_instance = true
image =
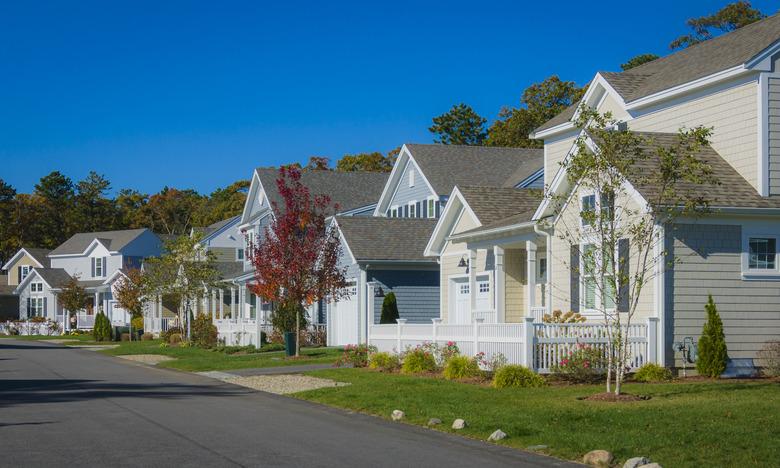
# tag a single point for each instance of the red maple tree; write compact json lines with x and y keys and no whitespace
{"x":296,"y":261}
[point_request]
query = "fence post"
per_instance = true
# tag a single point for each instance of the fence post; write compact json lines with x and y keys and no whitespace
{"x":528,"y":343}
{"x":477,"y":323}
{"x":436,"y":322}
{"x":401,"y":323}
{"x":652,"y":340}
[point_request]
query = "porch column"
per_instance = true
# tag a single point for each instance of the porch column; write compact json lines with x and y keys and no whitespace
{"x":530,"y":249}
{"x":221,"y":303}
{"x":473,"y":281}
{"x":232,"y":303}
{"x":241,"y":302}
{"x":499,"y":278}
{"x":213,"y":305}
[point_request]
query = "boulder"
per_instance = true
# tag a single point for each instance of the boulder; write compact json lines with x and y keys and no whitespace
{"x":651,"y":465}
{"x":458,"y":424}
{"x":636,"y":462}
{"x":598,"y":458}
{"x":434,"y":422}
{"x":397,"y":415}
{"x":497,"y":435}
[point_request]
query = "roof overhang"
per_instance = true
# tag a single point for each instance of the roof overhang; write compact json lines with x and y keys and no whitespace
{"x":95,"y":242}
{"x":16,"y":257}
{"x":29,"y":279}
{"x":494,"y":233}
{"x":394,"y":180}
{"x":456,"y":206}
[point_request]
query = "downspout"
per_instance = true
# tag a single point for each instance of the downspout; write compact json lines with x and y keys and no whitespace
{"x":548,"y":248}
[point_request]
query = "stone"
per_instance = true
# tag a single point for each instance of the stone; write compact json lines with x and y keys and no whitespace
{"x":397,"y":415}
{"x":458,"y":424}
{"x":536,"y":447}
{"x":434,"y":422}
{"x":497,"y":435}
{"x":598,"y":458}
{"x":636,"y":462}
{"x":651,"y":465}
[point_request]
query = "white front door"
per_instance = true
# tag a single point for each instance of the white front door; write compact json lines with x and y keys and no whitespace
{"x":344,"y":319}
{"x":462,"y":309}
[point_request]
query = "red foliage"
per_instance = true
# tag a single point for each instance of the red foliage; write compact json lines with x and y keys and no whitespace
{"x":297,"y":260}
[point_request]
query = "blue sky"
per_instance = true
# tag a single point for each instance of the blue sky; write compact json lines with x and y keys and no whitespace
{"x":195,"y":94}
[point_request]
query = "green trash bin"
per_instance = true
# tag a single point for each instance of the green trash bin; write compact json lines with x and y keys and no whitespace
{"x":289,"y":343}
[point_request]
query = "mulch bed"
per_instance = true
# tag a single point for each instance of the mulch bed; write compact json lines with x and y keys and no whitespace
{"x":611,"y":397}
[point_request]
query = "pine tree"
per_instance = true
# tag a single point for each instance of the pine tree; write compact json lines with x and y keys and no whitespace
{"x":389,"y":309}
{"x":101,"y":330}
{"x":712,"y":344}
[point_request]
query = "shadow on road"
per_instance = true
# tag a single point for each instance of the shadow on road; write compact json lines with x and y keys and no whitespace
{"x":36,"y":391}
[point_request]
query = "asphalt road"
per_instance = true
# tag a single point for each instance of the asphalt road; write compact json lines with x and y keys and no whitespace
{"x":61,"y":406}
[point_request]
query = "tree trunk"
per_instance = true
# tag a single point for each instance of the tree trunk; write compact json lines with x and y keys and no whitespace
{"x":297,"y":332}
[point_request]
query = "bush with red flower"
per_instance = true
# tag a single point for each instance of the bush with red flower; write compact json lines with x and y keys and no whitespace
{"x":584,"y":364}
{"x":355,"y":355}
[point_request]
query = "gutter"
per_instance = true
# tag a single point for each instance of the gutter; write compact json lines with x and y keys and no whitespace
{"x":498,"y":230}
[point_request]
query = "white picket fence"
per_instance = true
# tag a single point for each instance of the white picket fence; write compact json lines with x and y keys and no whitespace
{"x":240,"y":332}
{"x":26,"y":328}
{"x":539,"y":346}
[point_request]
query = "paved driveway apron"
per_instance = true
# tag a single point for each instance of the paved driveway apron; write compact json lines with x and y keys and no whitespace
{"x":62,"y":406}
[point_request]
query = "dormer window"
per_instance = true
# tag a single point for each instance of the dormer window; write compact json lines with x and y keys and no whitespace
{"x":36,"y":287}
{"x":24,"y":270}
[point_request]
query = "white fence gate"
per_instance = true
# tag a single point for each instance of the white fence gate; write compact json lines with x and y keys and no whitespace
{"x":539,"y":346}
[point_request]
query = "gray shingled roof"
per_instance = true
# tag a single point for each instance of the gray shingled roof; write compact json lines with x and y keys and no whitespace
{"x":349,"y":190}
{"x":733,"y":191}
{"x":212,"y":228}
{"x":375,"y":238}
{"x":447,"y":166}
{"x":54,"y":277}
{"x":229,"y":270}
{"x":491,"y":204}
{"x":40,"y":255}
{"x":114,"y":240}
{"x":700,"y":60}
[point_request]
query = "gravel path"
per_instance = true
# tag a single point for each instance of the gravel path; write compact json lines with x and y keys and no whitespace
{"x":151,"y":359}
{"x":283,"y":384}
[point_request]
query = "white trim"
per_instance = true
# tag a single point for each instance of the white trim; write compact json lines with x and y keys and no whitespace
{"x":343,"y":239}
{"x":27,"y":280}
{"x":13,"y":259}
{"x":438,"y":238}
{"x":758,"y":273}
{"x":532,"y":178}
{"x":95,"y":242}
{"x":394,"y":180}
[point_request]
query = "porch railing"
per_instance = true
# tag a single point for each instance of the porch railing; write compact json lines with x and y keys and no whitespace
{"x":537,"y":313}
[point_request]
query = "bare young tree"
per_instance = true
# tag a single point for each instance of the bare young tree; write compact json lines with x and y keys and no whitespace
{"x":616,"y":238}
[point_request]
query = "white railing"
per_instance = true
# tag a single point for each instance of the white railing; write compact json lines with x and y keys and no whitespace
{"x":27,"y":327}
{"x":239,"y":332}
{"x":85,"y":321}
{"x":539,"y":346}
{"x":486,"y":315}
{"x":537,"y":313}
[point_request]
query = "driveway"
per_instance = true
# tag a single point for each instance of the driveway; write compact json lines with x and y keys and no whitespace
{"x":61,"y":406}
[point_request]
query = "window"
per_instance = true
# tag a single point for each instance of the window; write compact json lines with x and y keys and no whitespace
{"x":98,"y":267}
{"x":762,"y":252}
{"x":607,"y":205}
{"x":587,"y":209}
{"x":542,"y":270}
{"x":411,"y":178}
{"x":431,"y":208}
{"x":412,"y":213}
{"x":394,"y":212}
{"x":591,"y":266}
{"x":588,"y":273}
{"x":464,"y":288}
{"x":36,"y":306}
{"x":240,"y":254}
{"x":24,"y":270}
{"x":484,"y":286}
{"x":36,"y":287}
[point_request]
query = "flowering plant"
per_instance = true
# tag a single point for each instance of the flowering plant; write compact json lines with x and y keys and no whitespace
{"x":493,"y":363}
{"x":420,"y":359}
{"x":583,"y":364}
{"x":448,"y":351}
{"x":355,"y":355}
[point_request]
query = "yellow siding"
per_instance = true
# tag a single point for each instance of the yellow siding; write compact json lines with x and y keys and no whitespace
{"x":515,"y":269}
{"x":13,"y":271}
{"x":610,"y":104}
{"x":732,"y":113}
{"x":555,"y":149}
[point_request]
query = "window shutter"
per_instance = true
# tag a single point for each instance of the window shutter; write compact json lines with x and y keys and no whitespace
{"x":29,"y":306}
{"x":406,"y":211}
{"x":44,"y":306}
{"x":574,"y":263}
{"x":425,"y":209}
{"x":19,"y":269}
{"x":103,"y":268}
{"x":93,"y":266}
{"x":438,"y":208}
{"x":417,"y":210}
{"x":623,"y":285}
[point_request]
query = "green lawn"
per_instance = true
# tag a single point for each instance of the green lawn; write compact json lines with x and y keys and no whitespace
{"x":683,"y":424}
{"x":198,"y":360}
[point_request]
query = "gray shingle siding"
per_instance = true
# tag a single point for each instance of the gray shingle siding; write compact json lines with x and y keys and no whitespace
{"x":405,"y":194}
{"x":416,"y":292}
{"x":710,"y":263}
{"x":773,"y":109}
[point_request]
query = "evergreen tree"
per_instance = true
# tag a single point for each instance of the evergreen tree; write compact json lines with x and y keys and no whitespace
{"x":461,"y":125}
{"x":712,"y":344}
{"x":389,"y":309}
{"x":101,"y":330}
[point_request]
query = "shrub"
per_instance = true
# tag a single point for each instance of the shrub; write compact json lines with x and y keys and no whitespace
{"x":559,"y":317}
{"x":147,"y":337}
{"x":166,"y":335}
{"x":174,"y":338}
{"x":712,"y":344}
{"x":583,"y":365}
{"x":418,"y":360}
{"x":385,"y":362}
{"x":124,"y":337}
{"x":389,"y":309}
{"x":770,"y":357}
{"x":137,"y":323}
{"x":517,"y":376}
{"x":460,"y":367}
{"x":493,"y":363}
{"x":449,"y":351}
{"x":272,"y":347}
{"x":203,"y":333}
{"x":101,"y":330}
{"x":653,"y":373}
{"x":355,"y":355}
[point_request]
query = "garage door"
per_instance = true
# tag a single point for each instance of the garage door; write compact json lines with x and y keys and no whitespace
{"x":343,"y":320}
